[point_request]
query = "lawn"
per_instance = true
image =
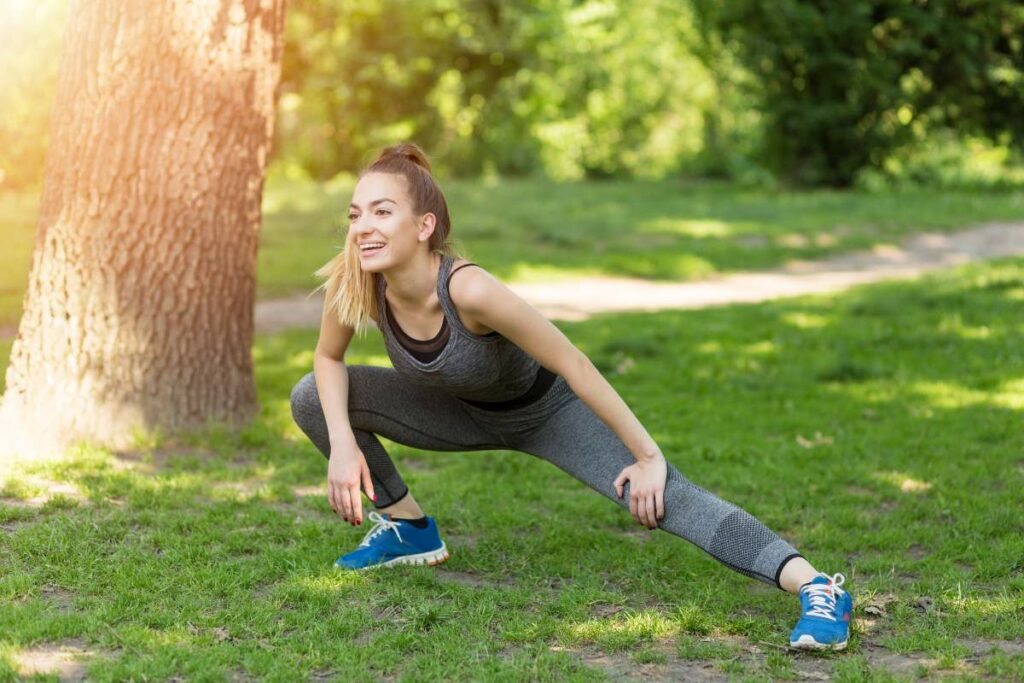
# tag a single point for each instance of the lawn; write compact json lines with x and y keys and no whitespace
{"x":535,"y":229}
{"x":879,"y":430}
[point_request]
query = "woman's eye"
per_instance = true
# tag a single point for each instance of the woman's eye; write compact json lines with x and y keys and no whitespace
{"x":352,"y":216}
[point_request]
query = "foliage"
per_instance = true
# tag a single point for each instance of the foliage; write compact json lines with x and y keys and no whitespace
{"x":946,"y":160}
{"x":871,"y":92}
{"x":30,"y":35}
{"x":575,"y":89}
{"x":844,"y":85}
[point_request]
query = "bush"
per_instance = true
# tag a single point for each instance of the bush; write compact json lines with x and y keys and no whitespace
{"x":843,"y":86}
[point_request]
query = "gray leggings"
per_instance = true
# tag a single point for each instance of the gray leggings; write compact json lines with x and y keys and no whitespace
{"x":558,"y":427}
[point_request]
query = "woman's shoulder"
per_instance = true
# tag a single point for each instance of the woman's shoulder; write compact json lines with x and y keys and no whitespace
{"x":458,"y":262}
{"x":467,"y":273}
{"x":457,"y":290}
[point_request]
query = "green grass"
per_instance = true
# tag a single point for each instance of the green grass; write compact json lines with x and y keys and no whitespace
{"x":879,"y":430}
{"x":531,"y":229}
{"x":671,"y":230}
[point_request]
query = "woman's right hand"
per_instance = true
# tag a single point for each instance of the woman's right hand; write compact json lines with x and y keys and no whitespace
{"x":346,"y":469}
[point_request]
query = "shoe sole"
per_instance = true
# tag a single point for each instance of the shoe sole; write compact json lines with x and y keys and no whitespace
{"x":430,"y":558}
{"x":809,"y":643}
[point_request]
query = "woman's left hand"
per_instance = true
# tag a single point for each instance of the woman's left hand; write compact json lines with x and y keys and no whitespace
{"x":646,"y":489}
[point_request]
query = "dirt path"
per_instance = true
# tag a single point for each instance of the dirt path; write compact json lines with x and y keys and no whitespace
{"x":580,"y":298}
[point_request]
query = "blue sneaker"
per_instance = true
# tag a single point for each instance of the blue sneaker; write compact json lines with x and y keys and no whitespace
{"x":395,"y":541}
{"x":825,"y":622}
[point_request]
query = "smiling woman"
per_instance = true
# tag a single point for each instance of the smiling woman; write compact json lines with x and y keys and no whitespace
{"x":475,"y":367}
{"x":349,"y":284}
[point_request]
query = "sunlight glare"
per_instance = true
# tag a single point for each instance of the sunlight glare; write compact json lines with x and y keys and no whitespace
{"x":1010,"y":395}
{"x":806,"y":321}
{"x":948,"y":395}
{"x":627,"y":627}
{"x":903,"y":482}
{"x":692,"y":228}
{"x":764,"y":347}
{"x":15,"y":11}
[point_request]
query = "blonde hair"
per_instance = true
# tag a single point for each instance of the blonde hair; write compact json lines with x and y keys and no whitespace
{"x":355,"y":295}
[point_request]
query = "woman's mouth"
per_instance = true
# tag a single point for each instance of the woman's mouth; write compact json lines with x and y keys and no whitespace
{"x":371,"y":249}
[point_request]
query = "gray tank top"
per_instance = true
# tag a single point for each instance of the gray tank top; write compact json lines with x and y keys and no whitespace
{"x":487,"y":368}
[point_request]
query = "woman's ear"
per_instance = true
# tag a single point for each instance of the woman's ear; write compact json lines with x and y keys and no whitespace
{"x":427,"y":224}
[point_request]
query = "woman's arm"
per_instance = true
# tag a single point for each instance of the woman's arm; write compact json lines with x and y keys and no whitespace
{"x":492,"y":303}
{"x":331,"y":373}
{"x":346,"y":468}
{"x":332,"y":387}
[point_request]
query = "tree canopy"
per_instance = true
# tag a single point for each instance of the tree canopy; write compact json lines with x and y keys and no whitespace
{"x":809,"y":92}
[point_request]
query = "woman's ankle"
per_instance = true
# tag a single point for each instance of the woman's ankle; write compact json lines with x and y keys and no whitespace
{"x":795,"y":573}
{"x":406,"y":508}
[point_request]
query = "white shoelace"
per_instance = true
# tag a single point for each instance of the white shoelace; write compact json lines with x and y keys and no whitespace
{"x":823,"y":596}
{"x":380,"y":524}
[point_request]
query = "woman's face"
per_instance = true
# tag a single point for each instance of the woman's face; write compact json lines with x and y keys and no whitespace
{"x":381,"y":212}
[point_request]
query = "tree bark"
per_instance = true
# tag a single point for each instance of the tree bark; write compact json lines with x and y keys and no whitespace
{"x":139,"y":309}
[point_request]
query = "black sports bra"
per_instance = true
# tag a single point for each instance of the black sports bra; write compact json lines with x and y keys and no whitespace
{"x":424,"y":350}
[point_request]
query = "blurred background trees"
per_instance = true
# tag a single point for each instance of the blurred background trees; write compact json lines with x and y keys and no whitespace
{"x":867,"y":93}
{"x":846,"y":86}
{"x":30,"y":41}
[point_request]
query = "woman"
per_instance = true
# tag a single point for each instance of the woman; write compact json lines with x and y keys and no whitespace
{"x":477,"y":368}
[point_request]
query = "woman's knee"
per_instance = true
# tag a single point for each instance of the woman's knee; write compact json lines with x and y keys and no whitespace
{"x":305,"y":402}
{"x":307,"y":410}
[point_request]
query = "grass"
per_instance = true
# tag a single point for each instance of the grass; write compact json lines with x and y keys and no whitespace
{"x":536,"y":229}
{"x":670,"y":230}
{"x":879,"y":430}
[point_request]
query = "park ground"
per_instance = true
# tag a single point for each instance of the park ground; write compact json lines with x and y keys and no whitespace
{"x":877,"y":429}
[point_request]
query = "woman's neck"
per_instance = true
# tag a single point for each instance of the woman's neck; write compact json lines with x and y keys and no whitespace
{"x":412,"y":284}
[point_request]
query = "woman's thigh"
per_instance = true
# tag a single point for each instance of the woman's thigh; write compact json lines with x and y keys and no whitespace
{"x":385,"y":403}
{"x":578,"y":442}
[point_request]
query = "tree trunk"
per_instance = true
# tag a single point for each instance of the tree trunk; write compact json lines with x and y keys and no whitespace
{"x":139,"y":308}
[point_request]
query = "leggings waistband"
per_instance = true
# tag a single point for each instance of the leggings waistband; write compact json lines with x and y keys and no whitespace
{"x":541,"y":383}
